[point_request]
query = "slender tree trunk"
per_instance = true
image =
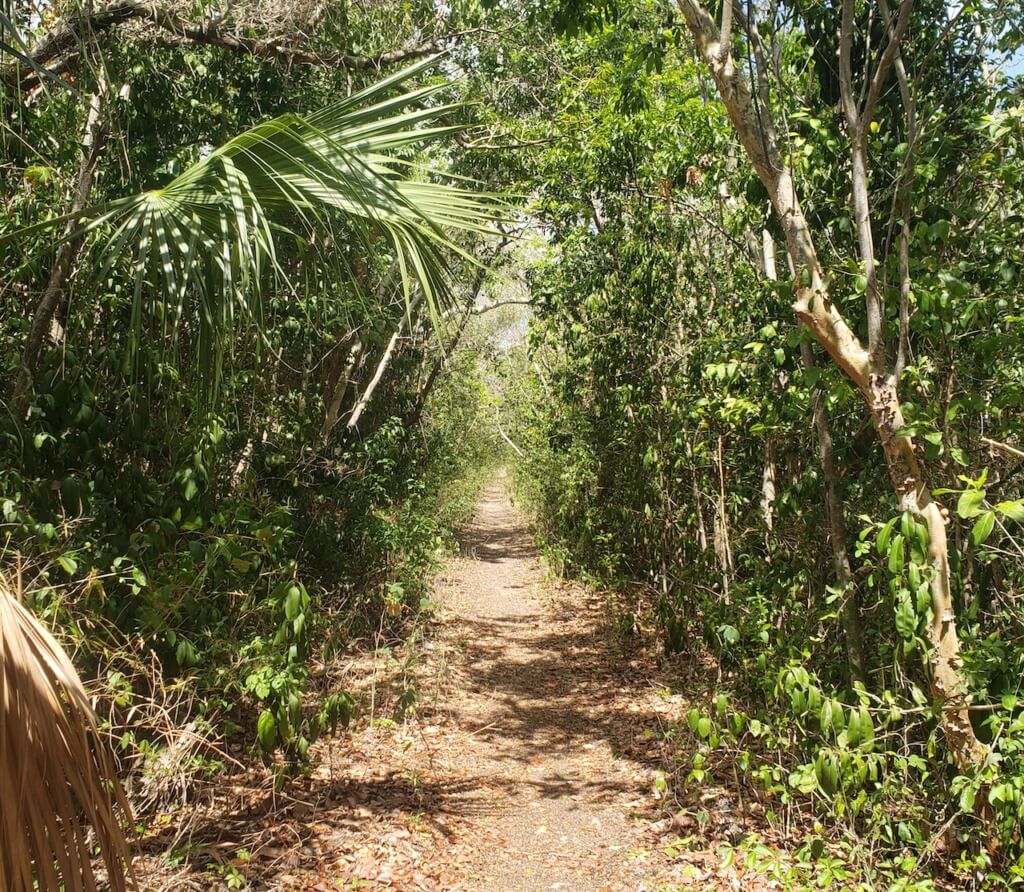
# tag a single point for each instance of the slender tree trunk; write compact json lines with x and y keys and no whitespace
{"x":814,"y":307}
{"x":378,"y":374}
{"x":340,"y":388}
{"x":382,"y":365}
{"x":439,"y":361}
{"x":723,"y":549}
{"x":766,"y":256}
{"x":94,"y":138}
{"x":834,"y":509}
{"x":702,"y":533}
{"x":838,"y":534}
{"x":768,"y":486}
{"x":503,"y":435}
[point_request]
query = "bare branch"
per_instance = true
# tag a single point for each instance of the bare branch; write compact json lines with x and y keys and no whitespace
{"x":66,"y":35}
{"x":502,"y":303}
{"x":726,"y":31}
{"x":846,"y":70}
{"x":1003,"y":447}
{"x":886,"y":61}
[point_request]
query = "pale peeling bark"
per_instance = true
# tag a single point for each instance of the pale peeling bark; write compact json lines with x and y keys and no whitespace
{"x":766,"y":258}
{"x":768,"y":487}
{"x":340,"y":387}
{"x":756,"y":131}
{"x":834,"y":508}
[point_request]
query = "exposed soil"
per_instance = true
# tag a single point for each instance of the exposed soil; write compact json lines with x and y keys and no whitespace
{"x":525,"y":758}
{"x":538,"y":697}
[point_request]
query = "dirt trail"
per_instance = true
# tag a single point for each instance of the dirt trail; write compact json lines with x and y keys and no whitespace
{"x":541,"y":703}
{"x":527,"y":762}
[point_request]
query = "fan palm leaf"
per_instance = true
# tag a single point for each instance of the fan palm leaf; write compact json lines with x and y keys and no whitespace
{"x":212,"y":231}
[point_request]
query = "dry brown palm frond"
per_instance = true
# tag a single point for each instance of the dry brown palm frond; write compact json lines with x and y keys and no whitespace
{"x":60,"y":799}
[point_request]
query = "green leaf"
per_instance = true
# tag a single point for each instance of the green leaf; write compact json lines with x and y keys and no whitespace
{"x":826,"y":770}
{"x":853,"y":731}
{"x":867,"y":727}
{"x":884,"y":536}
{"x":266,"y":731}
{"x":292,"y":603}
{"x":970,"y":503}
{"x":67,"y":563}
{"x":897,"y":556}
{"x":906,"y":618}
{"x":186,"y":654}
{"x":983,"y":527}
{"x":1014,"y":510}
{"x":825,"y":719}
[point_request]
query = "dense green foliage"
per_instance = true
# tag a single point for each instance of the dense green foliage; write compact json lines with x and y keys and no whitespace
{"x":666,"y":381}
{"x":206,"y":474}
{"x":174,"y":498}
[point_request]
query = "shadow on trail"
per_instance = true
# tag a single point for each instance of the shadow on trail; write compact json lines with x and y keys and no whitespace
{"x":545,"y":704}
{"x":287,"y":823}
{"x":496,"y":547}
{"x":556,"y":682}
{"x":567,"y":689}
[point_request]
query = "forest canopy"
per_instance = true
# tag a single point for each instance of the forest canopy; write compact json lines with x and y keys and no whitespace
{"x":734,"y":291}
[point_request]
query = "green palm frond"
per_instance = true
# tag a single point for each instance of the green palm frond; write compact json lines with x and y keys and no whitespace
{"x":212,"y":231}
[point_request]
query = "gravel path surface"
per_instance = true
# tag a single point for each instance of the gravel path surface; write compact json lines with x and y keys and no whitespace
{"x":512,"y":747}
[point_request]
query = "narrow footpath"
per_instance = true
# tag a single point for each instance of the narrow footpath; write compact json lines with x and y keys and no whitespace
{"x":516,"y":747}
{"x":551,"y":726}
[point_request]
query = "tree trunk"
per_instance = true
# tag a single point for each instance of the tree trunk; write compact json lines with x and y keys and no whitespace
{"x":340,"y":387}
{"x":439,"y":362}
{"x":834,"y":509}
{"x":814,"y":307}
{"x":723,"y":550}
{"x":378,"y":374}
{"x":94,"y":138}
{"x":838,"y":534}
{"x":702,"y":533}
{"x":766,"y":257}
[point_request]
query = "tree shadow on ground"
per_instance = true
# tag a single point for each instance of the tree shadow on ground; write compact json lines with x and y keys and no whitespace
{"x":567,"y":688}
{"x":495,"y":547}
{"x":549,"y":684}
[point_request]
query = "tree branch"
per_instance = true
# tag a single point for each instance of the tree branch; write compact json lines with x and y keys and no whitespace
{"x":888,"y":56}
{"x":65,"y":37}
